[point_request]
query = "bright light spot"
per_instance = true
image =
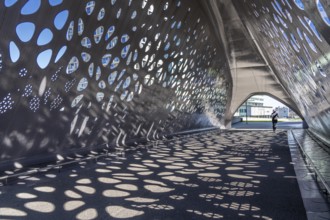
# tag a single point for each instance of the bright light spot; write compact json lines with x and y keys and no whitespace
{"x":85,"y":189}
{"x":158,"y":189}
{"x":128,"y":187}
{"x":25,"y":196}
{"x":239,"y":176}
{"x":72,"y":194}
{"x":108,"y":180}
{"x":4,"y":211}
{"x":84,"y":181}
{"x":209,"y":175}
{"x":72,"y":205}
{"x":115,"y":193}
{"x":46,"y":189}
{"x":122,"y":212}
{"x":18,"y":165}
{"x":141,"y":200}
{"x":87,"y":214}
{"x":40,"y":206}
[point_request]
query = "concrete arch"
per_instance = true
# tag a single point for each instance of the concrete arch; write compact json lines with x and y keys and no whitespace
{"x":235,"y":105}
{"x":251,"y":72}
{"x":292,"y":106}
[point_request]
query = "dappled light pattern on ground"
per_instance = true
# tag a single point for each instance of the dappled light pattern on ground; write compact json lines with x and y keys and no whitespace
{"x":226,"y":175}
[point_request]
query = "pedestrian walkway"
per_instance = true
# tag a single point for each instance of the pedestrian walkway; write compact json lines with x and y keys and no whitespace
{"x":218,"y":175}
{"x":267,"y":125}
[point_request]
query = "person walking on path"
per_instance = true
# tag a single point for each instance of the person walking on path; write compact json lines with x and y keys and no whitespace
{"x":274,"y":116}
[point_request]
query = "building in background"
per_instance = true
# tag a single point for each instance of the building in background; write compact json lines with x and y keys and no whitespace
{"x":292,"y":114}
{"x":254,"y":108}
{"x":283,"y":112}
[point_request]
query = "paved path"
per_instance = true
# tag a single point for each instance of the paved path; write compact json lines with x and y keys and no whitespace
{"x":267,"y":125}
{"x":227,"y":175}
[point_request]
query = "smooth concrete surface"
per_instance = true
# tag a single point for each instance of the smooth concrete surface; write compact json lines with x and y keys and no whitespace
{"x":215,"y":175}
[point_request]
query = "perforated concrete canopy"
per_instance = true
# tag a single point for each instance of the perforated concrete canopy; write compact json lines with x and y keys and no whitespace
{"x":84,"y":75}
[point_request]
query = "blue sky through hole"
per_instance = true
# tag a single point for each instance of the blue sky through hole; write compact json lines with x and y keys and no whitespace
{"x":26,"y":30}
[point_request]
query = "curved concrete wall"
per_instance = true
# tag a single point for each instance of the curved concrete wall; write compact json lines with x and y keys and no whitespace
{"x":79,"y":75}
{"x":294,"y":37}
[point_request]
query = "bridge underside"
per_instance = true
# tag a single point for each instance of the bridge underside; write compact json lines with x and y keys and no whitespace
{"x":82,"y":76}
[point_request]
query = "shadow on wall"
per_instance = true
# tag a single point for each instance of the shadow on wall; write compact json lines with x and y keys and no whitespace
{"x":294,"y":37}
{"x":210,"y":176}
{"x":87,"y":75}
